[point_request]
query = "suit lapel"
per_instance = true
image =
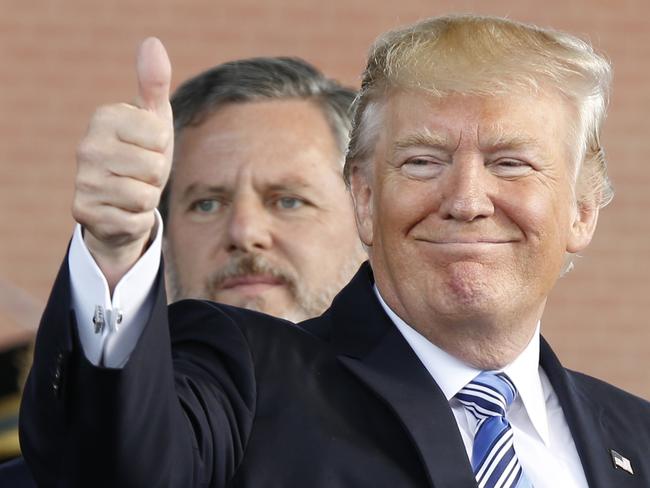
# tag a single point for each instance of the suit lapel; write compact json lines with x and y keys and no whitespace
{"x":374,"y":351}
{"x":587,"y":422}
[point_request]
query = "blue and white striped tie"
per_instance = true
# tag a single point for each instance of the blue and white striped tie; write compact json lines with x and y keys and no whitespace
{"x":495,"y":463}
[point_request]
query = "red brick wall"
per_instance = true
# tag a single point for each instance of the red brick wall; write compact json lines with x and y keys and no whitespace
{"x":59,"y":59}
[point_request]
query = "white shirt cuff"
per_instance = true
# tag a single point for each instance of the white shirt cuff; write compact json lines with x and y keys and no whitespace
{"x":109,"y":328}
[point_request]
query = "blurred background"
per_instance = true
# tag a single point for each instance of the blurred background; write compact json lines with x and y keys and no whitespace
{"x":60,"y":59}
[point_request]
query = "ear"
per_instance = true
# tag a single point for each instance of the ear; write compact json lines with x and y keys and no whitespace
{"x":361,"y":190}
{"x":583,"y":226}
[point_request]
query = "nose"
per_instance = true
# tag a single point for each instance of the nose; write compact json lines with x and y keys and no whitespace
{"x":466,"y":191}
{"x":249,"y":226}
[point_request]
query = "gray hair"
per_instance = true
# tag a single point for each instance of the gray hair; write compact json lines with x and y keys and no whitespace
{"x":488,"y":56}
{"x":255,"y":79}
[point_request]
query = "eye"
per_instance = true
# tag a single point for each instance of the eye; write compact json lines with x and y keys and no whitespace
{"x":207,"y":206}
{"x":289,"y":203}
{"x":422,"y":167}
{"x":510,"y":168}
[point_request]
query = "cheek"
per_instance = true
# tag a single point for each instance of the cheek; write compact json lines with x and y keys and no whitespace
{"x":191,"y":245}
{"x":400,"y":208}
{"x":544,"y":219}
{"x":309,"y":244}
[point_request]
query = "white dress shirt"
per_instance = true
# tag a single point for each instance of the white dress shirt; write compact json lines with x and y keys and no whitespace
{"x":124,"y":314}
{"x":542,"y":438}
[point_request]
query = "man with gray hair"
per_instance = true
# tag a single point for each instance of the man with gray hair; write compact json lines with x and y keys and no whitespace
{"x":246,"y":221}
{"x":476,"y":168}
{"x":256,"y":198}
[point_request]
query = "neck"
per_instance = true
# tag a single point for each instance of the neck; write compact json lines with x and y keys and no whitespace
{"x":486,"y":342}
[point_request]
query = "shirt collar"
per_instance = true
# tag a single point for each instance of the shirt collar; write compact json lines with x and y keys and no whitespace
{"x":452,"y":374}
{"x":524,"y":373}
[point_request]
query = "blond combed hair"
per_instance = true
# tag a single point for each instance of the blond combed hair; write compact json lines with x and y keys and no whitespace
{"x":489,"y":56}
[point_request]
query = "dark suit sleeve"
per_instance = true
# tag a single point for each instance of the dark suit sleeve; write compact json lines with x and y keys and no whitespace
{"x":166,"y":419}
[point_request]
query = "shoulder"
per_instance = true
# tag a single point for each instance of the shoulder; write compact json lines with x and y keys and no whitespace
{"x":589,"y":390}
{"x":611,"y":399}
{"x":205,"y":311}
{"x":605,"y":391}
{"x":210,"y":321}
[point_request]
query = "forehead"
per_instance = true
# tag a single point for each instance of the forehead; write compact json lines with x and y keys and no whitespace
{"x":544,"y":119}
{"x":269,"y":138}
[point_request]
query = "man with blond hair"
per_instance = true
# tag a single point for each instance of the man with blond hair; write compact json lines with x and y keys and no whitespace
{"x":476,"y":171}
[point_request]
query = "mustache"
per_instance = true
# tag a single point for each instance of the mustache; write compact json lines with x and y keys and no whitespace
{"x":251,"y":264}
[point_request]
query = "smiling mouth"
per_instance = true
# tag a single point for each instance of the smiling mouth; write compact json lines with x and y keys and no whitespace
{"x":468,"y":242}
{"x":478,"y":251}
{"x":460,"y":241}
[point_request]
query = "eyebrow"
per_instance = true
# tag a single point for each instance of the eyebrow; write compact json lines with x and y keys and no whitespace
{"x":497,"y":142}
{"x":421,"y":138}
{"x":500,"y":140}
{"x":289,"y":183}
{"x":200,"y":188}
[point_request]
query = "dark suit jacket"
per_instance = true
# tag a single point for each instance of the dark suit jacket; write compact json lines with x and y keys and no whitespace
{"x":219,"y":396}
{"x":15,"y":474}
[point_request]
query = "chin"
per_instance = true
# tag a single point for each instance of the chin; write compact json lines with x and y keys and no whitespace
{"x":466,"y":309}
{"x":468,"y":282}
{"x":471,"y":298}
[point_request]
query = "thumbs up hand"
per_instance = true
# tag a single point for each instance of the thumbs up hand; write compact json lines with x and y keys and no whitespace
{"x":123,"y":163}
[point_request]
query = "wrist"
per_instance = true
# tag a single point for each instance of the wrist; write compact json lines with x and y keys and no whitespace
{"x":115,"y":260}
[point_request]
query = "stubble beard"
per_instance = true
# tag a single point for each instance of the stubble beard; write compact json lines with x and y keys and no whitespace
{"x":306,"y":302}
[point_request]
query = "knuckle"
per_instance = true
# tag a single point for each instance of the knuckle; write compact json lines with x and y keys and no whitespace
{"x":93,"y":150}
{"x":142,"y":224}
{"x":156,"y":179}
{"x":79,"y":211}
{"x":107,"y":119}
{"x":152,"y":198}
{"x":146,"y":200}
{"x":85,"y":150}
{"x":162,"y":138}
{"x":138,"y":203}
{"x":158,"y":175}
{"x":84,"y":184}
{"x":155,"y":132}
{"x":103,"y":115}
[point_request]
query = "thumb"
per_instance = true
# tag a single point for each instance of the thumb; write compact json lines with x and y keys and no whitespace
{"x":154,"y":74}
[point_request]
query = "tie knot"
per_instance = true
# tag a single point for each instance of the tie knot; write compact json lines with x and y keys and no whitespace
{"x":488,"y":395}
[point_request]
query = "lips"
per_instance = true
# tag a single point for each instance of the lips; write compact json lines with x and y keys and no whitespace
{"x":471,"y":241}
{"x":466,"y":240}
{"x":250,"y":280}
